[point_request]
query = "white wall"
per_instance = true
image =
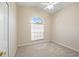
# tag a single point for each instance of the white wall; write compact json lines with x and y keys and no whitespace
{"x":12,"y":29}
{"x":24,"y":17}
{"x":4,"y":28}
{"x":65,"y":27}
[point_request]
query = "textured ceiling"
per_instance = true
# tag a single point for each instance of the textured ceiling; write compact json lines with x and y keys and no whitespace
{"x":57,"y":7}
{"x":28,"y":3}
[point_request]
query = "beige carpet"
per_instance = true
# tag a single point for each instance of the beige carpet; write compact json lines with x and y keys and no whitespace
{"x":45,"y":50}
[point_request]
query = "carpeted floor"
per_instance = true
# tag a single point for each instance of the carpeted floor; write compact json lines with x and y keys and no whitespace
{"x":45,"y":50}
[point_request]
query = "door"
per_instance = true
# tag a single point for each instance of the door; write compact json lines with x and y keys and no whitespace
{"x":3,"y":29}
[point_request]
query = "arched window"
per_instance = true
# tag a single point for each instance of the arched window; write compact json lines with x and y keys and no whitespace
{"x":37,"y":20}
{"x":37,"y":28}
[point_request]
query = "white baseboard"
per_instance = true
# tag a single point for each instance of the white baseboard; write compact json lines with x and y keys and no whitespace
{"x":65,"y":46}
{"x":33,"y":42}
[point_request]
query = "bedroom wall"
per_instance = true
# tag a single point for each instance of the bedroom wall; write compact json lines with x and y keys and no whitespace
{"x":65,"y":27}
{"x":25,"y":14}
{"x":12,"y":29}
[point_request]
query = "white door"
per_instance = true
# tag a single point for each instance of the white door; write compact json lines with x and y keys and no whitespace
{"x":3,"y":29}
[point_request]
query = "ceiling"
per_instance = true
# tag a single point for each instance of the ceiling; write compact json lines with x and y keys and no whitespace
{"x":57,"y":7}
{"x":28,"y":3}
